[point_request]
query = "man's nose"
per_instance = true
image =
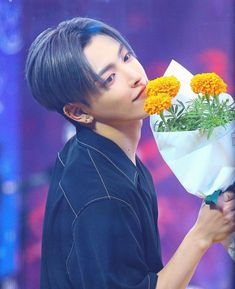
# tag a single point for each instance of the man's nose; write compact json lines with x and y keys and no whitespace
{"x":138,"y":81}
{"x":135,"y":78}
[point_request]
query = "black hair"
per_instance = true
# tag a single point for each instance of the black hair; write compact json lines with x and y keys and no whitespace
{"x":57,"y":70}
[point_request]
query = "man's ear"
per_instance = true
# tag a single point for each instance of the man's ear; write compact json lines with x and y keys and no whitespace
{"x":75,"y":112}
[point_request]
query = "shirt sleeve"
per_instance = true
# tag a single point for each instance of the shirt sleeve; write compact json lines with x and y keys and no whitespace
{"x":109,"y":248}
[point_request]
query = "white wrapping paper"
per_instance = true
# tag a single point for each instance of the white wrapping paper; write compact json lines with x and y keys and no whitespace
{"x":201,"y":165}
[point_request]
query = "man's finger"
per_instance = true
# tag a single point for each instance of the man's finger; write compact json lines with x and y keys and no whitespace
{"x":228,"y":196}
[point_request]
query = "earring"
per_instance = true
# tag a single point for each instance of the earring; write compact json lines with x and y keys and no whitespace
{"x":89,"y":118}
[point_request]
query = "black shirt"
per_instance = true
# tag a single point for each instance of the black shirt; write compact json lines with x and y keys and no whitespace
{"x":100,"y":225}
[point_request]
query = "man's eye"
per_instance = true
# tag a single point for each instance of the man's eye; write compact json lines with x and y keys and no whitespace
{"x":127,"y":56}
{"x":109,"y":80}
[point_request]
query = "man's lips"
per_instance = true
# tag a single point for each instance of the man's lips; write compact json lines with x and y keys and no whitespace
{"x":139,"y":94}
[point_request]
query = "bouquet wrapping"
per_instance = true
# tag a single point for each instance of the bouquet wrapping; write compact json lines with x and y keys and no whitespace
{"x":202,"y":165}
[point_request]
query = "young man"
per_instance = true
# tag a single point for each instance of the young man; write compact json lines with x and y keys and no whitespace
{"x":100,"y":226}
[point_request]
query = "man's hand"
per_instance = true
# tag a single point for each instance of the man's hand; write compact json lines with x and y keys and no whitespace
{"x":226,"y":203}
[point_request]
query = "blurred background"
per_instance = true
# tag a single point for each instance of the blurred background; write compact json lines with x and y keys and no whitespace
{"x":198,"y":34}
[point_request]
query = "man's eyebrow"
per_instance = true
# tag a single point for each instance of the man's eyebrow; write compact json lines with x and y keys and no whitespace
{"x":110,"y":65}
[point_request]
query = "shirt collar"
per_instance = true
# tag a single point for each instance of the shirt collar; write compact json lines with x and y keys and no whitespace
{"x":109,"y":150}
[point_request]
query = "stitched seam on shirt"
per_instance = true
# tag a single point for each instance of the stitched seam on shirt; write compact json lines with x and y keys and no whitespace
{"x":130,"y":207}
{"x":90,"y":202}
{"x":135,"y":178}
{"x":67,"y":199}
{"x":137,"y":243}
{"x":98,"y":173}
{"x":110,"y":198}
{"x":83,"y":208}
{"x":60,"y":159}
{"x":106,"y":158}
{"x":67,"y":259}
{"x":70,"y":251}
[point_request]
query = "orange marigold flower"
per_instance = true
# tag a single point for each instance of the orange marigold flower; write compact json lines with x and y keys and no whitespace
{"x":157,"y":103}
{"x":208,"y":84}
{"x":164,"y":84}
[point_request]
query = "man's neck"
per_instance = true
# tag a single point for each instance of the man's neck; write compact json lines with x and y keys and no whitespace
{"x":125,"y":135}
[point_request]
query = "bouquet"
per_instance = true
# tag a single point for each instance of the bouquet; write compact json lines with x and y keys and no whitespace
{"x":193,"y":123}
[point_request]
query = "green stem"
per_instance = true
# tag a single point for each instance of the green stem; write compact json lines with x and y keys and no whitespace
{"x":163,"y":119}
{"x":207,"y":96}
{"x":217,"y":100}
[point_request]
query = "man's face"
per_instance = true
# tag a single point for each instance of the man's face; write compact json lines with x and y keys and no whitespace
{"x":124,"y":78}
